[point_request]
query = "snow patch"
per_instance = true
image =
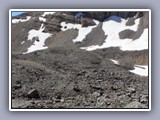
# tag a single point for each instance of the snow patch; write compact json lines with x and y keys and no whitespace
{"x":21,"y":20}
{"x":38,"y":44}
{"x":82,"y":31}
{"x":42,"y":19}
{"x":140,"y":70}
{"x":47,"y":13}
{"x":90,"y":48}
{"x":112,"y":26}
{"x":22,"y":42}
{"x":115,"y":61}
{"x":138,"y":44}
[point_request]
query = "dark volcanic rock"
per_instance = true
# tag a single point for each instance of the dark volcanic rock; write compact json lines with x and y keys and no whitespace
{"x":95,"y":37}
{"x":144,"y":21}
{"x":126,"y":34}
{"x":139,"y":14}
{"x":62,"y":38}
{"x":87,"y":22}
{"x":130,"y":22}
{"x":76,"y":88}
{"x":69,"y":19}
{"x":17,"y":86}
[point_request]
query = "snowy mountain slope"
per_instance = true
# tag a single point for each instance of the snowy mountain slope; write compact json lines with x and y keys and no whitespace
{"x":82,"y":31}
{"x":53,"y":29}
{"x":111,"y":26}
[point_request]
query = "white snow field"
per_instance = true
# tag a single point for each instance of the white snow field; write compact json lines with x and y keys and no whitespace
{"x":21,"y":20}
{"x":112,"y":26}
{"x":38,"y":45}
{"x":82,"y":31}
{"x":140,"y":70}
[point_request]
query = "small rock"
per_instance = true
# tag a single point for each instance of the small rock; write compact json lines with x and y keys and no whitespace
{"x":18,"y":82}
{"x":108,"y":101}
{"x":114,"y":87}
{"x":128,"y":94}
{"x":131,"y":90}
{"x":32,"y":102}
{"x":119,"y":94}
{"x":57,"y":100}
{"x":33,"y":94}
{"x":37,"y":40}
{"x":100,"y":102}
{"x":102,"y":70}
{"x":96,"y":94}
{"x":58,"y":97}
{"x":76,"y":88}
{"x":101,"y":93}
{"x":62,"y":100}
{"x":53,"y":99}
{"x":94,"y":70}
{"x":144,"y":99}
{"x":61,"y":107}
{"x":86,"y":75}
{"x":22,"y":67}
{"x":52,"y":88}
{"x":49,"y":101}
{"x":65,"y":27}
{"x":17,"y":86}
{"x":97,"y":87}
{"x":135,"y":104}
{"x":13,"y":97}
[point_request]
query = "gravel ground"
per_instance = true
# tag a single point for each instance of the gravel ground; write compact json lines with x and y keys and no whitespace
{"x":74,"y":78}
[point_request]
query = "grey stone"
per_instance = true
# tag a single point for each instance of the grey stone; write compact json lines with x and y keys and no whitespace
{"x":33,"y":94}
{"x":144,"y":99}
{"x":17,"y":86}
{"x":131,"y":90}
{"x":96,"y":94}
